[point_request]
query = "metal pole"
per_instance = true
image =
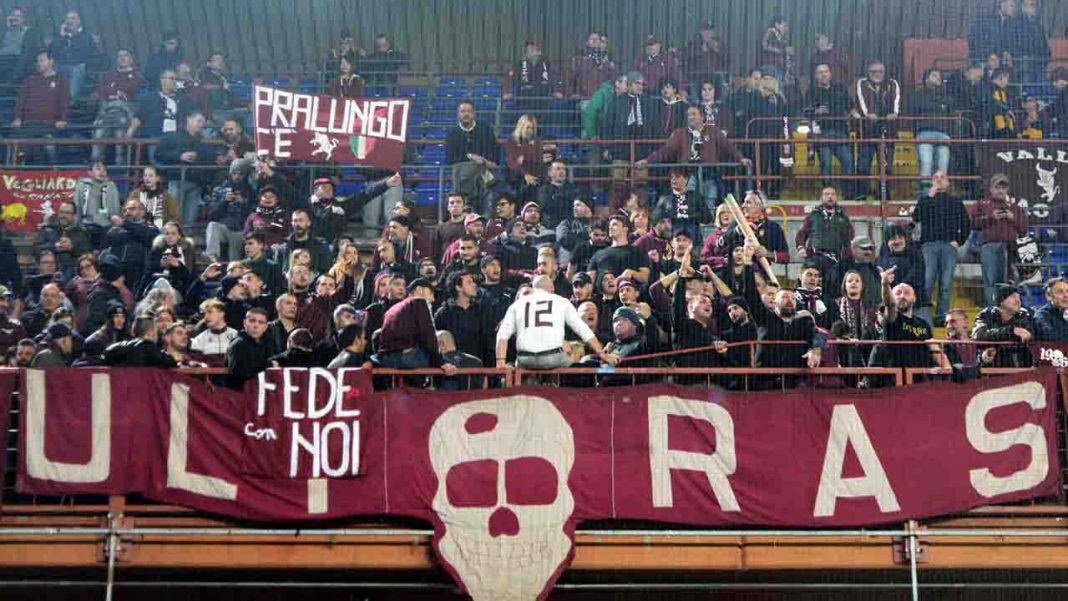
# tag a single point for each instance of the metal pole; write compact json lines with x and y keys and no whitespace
{"x":109,"y":591}
{"x":913,"y":547}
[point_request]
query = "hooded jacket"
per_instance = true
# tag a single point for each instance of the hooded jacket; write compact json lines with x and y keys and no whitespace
{"x":97,"y":201}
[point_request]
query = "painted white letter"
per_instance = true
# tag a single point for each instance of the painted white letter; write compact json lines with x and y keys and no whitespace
{"x":983,"y":480}
{"x":848,"y":429}
{"x":178,"y":474}
{"x":716,"y":466}
{"x":38,"y":465}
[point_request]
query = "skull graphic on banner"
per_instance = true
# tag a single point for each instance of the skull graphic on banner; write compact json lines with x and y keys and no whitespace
{"x":503,"y":501}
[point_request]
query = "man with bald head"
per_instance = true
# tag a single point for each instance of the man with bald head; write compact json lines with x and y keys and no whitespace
{"x":901,"y":324}
{"x":538,"y":321}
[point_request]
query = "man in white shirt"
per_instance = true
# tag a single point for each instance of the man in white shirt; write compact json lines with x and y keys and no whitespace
{"x":537,"y":320}
{"x":216,"y":336}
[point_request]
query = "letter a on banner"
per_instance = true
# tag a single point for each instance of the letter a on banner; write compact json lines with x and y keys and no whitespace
{"x":848,"y":430}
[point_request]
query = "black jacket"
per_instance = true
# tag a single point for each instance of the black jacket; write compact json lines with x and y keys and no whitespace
{"x":926,"y":101}
{"x":990,"y":327}
{"x":480,"y":140}
{"x":942,"y":218}
{"x":137,"y":352}
{"x":246,"y":357}
{"x":555,"y":202}
{"x":835,"y":99}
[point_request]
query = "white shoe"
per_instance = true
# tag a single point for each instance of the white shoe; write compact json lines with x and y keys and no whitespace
{"x":1036,"y":278}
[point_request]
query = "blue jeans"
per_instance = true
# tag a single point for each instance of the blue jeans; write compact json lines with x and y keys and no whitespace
{"x":708,"y":187}
{"x":930,"y":154}
{"x":844,"y":154}
{"x":75,"y":74}
{"x":939,"y":261}
{"x":992,"y":259}
{"x":414,"y":359}
{"x":188,"y":196}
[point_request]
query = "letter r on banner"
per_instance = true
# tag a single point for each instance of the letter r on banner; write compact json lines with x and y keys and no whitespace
{"x":1032,"y":435}
{"x":847,"y":429}
{"x":716,"y":466}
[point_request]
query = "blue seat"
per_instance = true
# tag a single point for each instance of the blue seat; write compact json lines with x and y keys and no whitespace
{"x":413,"y":91}
{"x":239,"y":78}
{"x":242,"y":91}
{"x":443,"y":104}
{"x":485,"y":104}
{"x":452,"y":80}
{"x":426,"y":198}
{"x":452,"y":91}
{"x":308,"y":86}
{"x":278,"y":82}
{"x":434,"y":133}
{"x":488,"y":81}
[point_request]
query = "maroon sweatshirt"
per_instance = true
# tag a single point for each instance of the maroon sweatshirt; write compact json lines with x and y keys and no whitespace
{"x":409,"y":324}
{"x":116,"y":82}
{"x":45,"y":99}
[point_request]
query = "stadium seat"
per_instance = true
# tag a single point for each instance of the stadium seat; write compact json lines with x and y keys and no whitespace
{"x":452,"y":91}
{"x":413,"y":92}
{"x":279,"y":82}
{"x":452,"y":80}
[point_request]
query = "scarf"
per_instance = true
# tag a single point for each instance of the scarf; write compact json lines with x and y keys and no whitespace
{"x":153,"y":203}
{"x":597,"y":56}
{"x":528,"y":73}
{"x":86,"y":197}
{"x":696,"y":143}
{"x":711,"y":112}
{"x":811,"y":299}
{"x":853,"y":314}
{"x":682,"y":205}
{"x":635,"y":117}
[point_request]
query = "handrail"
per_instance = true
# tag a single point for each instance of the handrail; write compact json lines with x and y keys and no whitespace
{"x":850,"y":119}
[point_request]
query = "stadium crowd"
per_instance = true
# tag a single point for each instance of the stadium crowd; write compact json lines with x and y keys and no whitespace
{"x":278,"y":280}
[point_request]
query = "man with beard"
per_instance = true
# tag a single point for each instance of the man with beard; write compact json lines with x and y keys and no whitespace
{"x":581,"y":289}
{"x":906,"y":257}
{"x":533,"y":81}
{"x":140,"y":351}
{"x":176,"y":345}
{"x":590,"y":68}
{"x":302,"y":238}
{"x":504,"y":212}
{"x":556,"y":195}
{"x":471,"y":150}
{"x":900,"y":324}
{"x":694,"y":325}
{"x":825,"y":235}
{"x":64,"y":237}
{"x":236,"y":145}
{"x":1051,"y":320}
{"x":466,"y":260}
{"x":1006,"y":321}
{"x":494,"y":293}
{"x":629,"y":341}
{"x":474,"y":226}
{"x":783,"y":322}
{"x":682,"y":206}
{"x":410,"y":245}
{"x":571,"y":232}
{"x":862,"y":261}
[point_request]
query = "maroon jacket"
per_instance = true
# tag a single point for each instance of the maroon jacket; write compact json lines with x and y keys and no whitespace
{"x":116,"y":82}
{"x":588,"y":71}
{"x":714,"y":149}
{"x":45,"y":99}
{"x":998,"y":230}
{"x":407,"y":325}
{"x":656,"y":70}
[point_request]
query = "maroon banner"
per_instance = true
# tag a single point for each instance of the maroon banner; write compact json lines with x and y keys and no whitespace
{"x":1050,"y":354}
{"x":28,"y":198}
{"x":310,"y":127}
{"x":7,"y":387}
{"x":1038,"y":175}
{"x":506,"y":475}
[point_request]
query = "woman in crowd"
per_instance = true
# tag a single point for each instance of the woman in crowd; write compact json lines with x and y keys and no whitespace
{"x":173,"y":257}
{"x":722,"y":222}
{"x":523,"y":158}
{"x":151,"y":190}
{"x":860,"y":321}
{"x":79,"y":287}
{"x":349,"y":266}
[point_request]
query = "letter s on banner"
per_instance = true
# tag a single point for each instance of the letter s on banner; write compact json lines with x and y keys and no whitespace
{"x":38,"y":465}
{"x":178,"y":475}
{"x":983,"y":480}
{"x":716,"y":466}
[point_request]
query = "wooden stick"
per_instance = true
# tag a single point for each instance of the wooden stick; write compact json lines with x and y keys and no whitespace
{"x":747,"y":231}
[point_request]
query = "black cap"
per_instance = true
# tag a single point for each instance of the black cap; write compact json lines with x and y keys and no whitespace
{"x":227,"y":284}
{"x":1003,"y":291}
{"x":486,"y":260}
{"x":581,"y":278}
{"x":115,"y":307}
{"x":109,"y":268}
{"x":739,"y":302}
{"x":682,"y":229}
{"x":58,"y":330}
{"x":402,"y":220}
{"x":419,"y":283}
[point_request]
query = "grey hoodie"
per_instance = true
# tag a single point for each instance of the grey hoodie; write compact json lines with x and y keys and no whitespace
{"x":97,"y":201}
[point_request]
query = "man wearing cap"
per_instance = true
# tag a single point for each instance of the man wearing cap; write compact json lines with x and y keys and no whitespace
{"x":630,"y":339}
{"x":899,"y":251}
{"x":409,"y":245}
{"x":57,"y":352}
{"x":409,"y":339}
{"x":629,"y":293}
{"x":621,"y":258}
{"x":699,"y":143}
{"x":11,"y":329}
{"x":250,"y":351}
{"x":106,"y":291}
{"x":538,"y":321}
{"x":581,"y":288}
{"x":464,"y":318}
{"x":301,"y":238}
{"x":656,"y":243}
{"x":537,"y":232}
{"x":330,"y":215}
{"x":590,"y":68}
{"x":656,"y":66}
{"x":556,"y":195}
{"x":682,"y":206}
{"x":113,"y":330}
{"x":1000,"y":223}
{"x":1006,"y":321}
{"x":862,"y":260}
{"x":596,"y":239}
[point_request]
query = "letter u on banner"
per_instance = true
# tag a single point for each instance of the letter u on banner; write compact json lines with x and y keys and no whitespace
{"x":38,"y":465}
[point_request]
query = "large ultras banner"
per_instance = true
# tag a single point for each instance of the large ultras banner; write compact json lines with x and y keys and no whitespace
{"x":312,"y":127}
{"x":506,"y":475}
